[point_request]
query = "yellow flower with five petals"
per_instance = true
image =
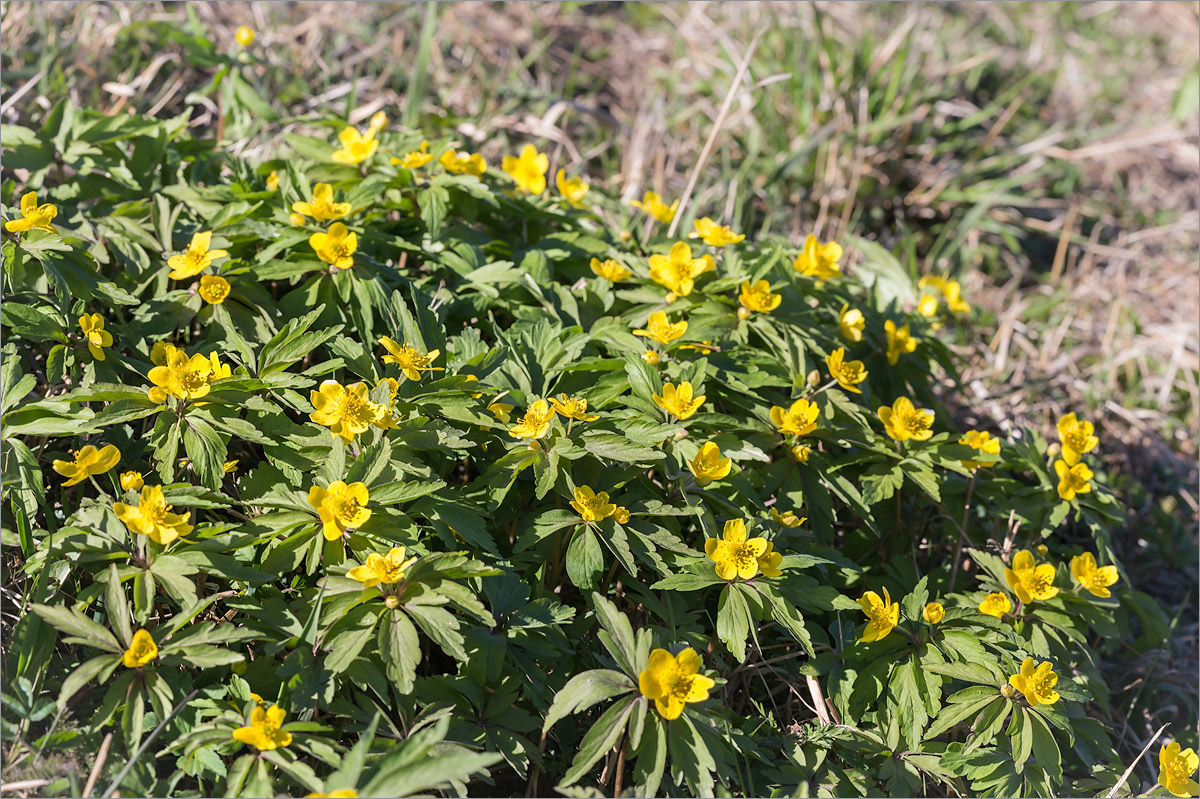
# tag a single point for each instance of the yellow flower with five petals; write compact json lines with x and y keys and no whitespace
{"x":340,"y":507}
{"x":678,"y":270}
{"x":528,"y":170}
{"x":848,"y":374}
{"x":734,"y":554}
{"x":535,"y":423}
{"x":797,"y":420}
{"x":572,"y":408}
{"x":88,"y":462}
{"x":678,"y":400}
{"x":1095,"y":579}
{"x":660,"y":329}
{"x":322,"y":208}
{"x":673,"y":681}
{"x":337,"y":247}
{"x":1175,"y":770}
{"x":410,"y":359}
{"x":196,"y":258}
{"x":819,"y":260}
{"x":708,"y":465}
{"x":33,"y":215}
{"x":904,"y":421}
{"x":592,"y":506}
{"x":152,"y":517}
{"x":610,"y":270}
{"x":715,"y":235}
{"x":654,"y":207}
{"x":1029,"y":580}
{"x":345,"y":410}
{"x":97,"y":337}
{"x":142,"y":650}
{"x":573,"y":190}
{"x":386,"y":569}
{"x":758,"y":297}
{"x":1036,"y":682}
{"x":265,"y":731}
{"x":883,"y":615}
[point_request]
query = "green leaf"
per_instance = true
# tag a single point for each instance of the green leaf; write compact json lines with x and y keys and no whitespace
{"x":584,"y":690}
{"x":733,"y":621}
{"x":601,"y":737}
{"x":400,"y":649}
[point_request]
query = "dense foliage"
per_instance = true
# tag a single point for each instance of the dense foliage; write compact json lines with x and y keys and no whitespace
{"x":378,"y":469}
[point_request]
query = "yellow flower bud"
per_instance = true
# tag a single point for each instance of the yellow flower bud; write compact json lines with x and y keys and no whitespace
{"x":1043,"y":550}
{"x":800,"y":453}
{"x":1053,"y":449}
{"x":1007,"y":691}
{"x":651,"y":357}
{"x":622,"y":515}
{"x":392,"y":601}
{"x":743,"y":313}
{"x":535,"y":446}
{"x":296,"y":219}
{"x":681,"y":434}
{"x":814,"y":377}
{"x":244,"y":35}
{"x":625,"y":235}
{"x":671,"y":297}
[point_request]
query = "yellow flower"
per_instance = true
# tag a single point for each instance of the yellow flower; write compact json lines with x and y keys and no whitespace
{"x":322,"y":208}
{"x":463,"y":163}
{"x":610,"y":270}
{"x":661,"y":330}
{"x":572,"y":408}
{"x":214,"y":289}
{"x":152,"y":517}
{"x":196,"y":258}
{"x":674,"y":680}
{"x":851,"y":322}
{"x":651,"y":357}
{"x":219,"y":370}
{"x":335,"y":247}
{"x":798,"y":420}
{"x":899,"y":341}
{"x":345,"y":410}
{"x":995,"y":605}
{"x":264,"y":731}
{"x":952,"y":291}
{"x":848,"y":374}
{"x":410,"y":359}
{"x":141,"y":651}
{"x":244,"y":35}
{"x":416,"y":158}
{"x":882,"y":615}
{"x":1096,"y":579}
{"x":758,"y":297}
{"x":528,"y":170}
{"x":501,"y":410}
{"x":678,"y":270}
{"x":621,"y":515}
{"x":591,"y":506}
{"x":356,"y":148}
{"x":818,"y":260}
{"x":903,"y":421}
{"x":708,"y":465}
{"x":88,"y":461}
{"x":787,"y":518}
{"x":928,"y":305}
{"x":229,"y":467}
{"x":715,"y":235}
{"x":97,"y":337}
{"x":1072,"y":480}
{"x":933,"y":613}
{"x":535,"y":423}
{"x":273,"y":181}
{"x":800,"y":453}
{"x":1028,"y":580}
{"x":131,"y":481}
{"x":1043,"y":550}
{"x":386,"y":569}
{"x":734,"y":554}
{"x":33,"y":215}
{"x":1077,"y":438}
{"x":1036,"y":683}
{"x":179,"y":376}
{"x":340,"y":507}
{"x":341,"y":793}
{"x":678,"y":401}
{"x":1175,"y":770}
{"x":378,"y":122}
{"x":768,"y":562}
{"x":573,"y":190}
{"x":982,"y":441}
{"x":654,"y":206}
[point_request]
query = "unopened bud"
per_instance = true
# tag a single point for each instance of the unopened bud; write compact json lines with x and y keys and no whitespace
{"x":535,"y":446}
{"x":392,"y":601}
{"x":1043,"y":550}
{"x":743,"y":313}
{"x":625,"y":235}
{"x":1053,"y":449}
{"x":622,"y":515}
{"x":671,"y":297}
{"x":651,"y":357}
{"x":1007,"y":691}
{"x":814,"y":377}
{"x":296,"y":219}
{"x":800,"y":453}
{"x":681,"y":434}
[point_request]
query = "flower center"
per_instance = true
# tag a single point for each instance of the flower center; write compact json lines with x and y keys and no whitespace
{"x":95,"y":338}
{"x":344,"y":508}
{"x":1036,"y":582}
{"x":679,"y":685}
{"x":191,"y":381}
{"x":743,"y":555}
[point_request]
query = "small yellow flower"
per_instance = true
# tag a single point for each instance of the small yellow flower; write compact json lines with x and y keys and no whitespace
{"x":715,"y":235}
{"x":97,"y":337}
{"x":758,"y":297}
{"x":654,"y":206}
{"x":152,"y":517}
{"x":535,"y":423}
{"x":196,"y":258}
{"x":678,"y":401}
{"x":621,"y":515}
{"x":769,"y":561}
{"x":591,"y":506}
{"x":131,"y":481}
{"x":463,"y":163}
{"x":851,"y":322}
{"x":33,"y":215}
{"x":1077,"y":438}
{"x":379,"y":121}
{"x":244,"y":35}
{"x":528,"y":170}
{"x":1043,"y":550}
{"x":903,"y":421}
{"x":345,"y":410}
{"x":341,"y":793}
{"x":928,"y":306}
{"x":573,"y":190}
{"x":610,"y":270}
{"x":1175,"y":770}
{"x":382,"y":569}
{"x":356,"y":147}
{"x":848,"y":374}
{"x":995,"y":605}
{"x":787,"y":518}
{"x":572,"y":408}
{"x":88,"y":462}
{"x":410,"y":359}
{"x":651,"y":357}
{"x":674,"y":680}
{"x":899,"y":341}
{"x":678,"y":270}
{"x":214,"y":289}
{"x":501,"y":410}
{"x":982,"y":441}
{"x":1036,"y":683}
{"x":800,"y":453}
{"x":883,"y":615}
{"x":141,"y":651}
{"x":952,"y":291}
{"x":229,"y":467}
{"x":336,"y":247}
{"x":1072,"y":480}
{"x":179,"y":375}
{"x":416,"y":158}
{"x":734,"y":554}
{"x":322,"y":208}
{"x":660,"y":329}
{"x":708,"y":465}
{"x":1096,"y":579}
{"x":798,"y":420}
{"x":273,"y":181}
{"x":933,"y":613}
{"x":340,"y":507}
{"x":818,"y":260}
{"x":264,"y":731}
